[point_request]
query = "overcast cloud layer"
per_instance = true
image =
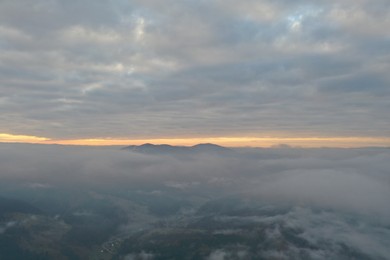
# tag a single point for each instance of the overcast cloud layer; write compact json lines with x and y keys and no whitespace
{"x":77,"y":69}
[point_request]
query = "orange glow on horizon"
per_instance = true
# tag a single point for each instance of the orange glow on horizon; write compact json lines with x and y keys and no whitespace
{"x":346,"y":142}
{"x":9,"y":138}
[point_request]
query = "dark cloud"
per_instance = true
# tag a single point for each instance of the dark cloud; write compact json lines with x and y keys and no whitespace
{"x":81,"y":68}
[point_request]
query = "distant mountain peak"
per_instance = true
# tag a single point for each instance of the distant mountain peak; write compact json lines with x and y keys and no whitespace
{"x":166,"y":148}
{"x":208,"y":145}
{"x":149,"y":145}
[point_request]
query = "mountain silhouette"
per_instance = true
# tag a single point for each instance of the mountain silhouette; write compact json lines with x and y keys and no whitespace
{"x":170,"y":149}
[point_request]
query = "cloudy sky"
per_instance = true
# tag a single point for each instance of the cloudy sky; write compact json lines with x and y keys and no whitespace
{"x":233,"y":72}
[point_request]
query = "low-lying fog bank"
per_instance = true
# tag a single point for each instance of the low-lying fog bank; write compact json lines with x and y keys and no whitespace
{"x":209,"y":202}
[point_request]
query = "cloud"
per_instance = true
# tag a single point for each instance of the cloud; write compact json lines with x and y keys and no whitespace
{"x":195,"y":68}
{"x":217,"y":255}
{"x":316,"y":203}
{"x":139,"y":256}
{"x":330,"y":229}
{"x":7,"y":225}
{"x":341,"y":179}
{"x":334,"y":189}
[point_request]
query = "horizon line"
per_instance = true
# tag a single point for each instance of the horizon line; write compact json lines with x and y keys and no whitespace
{"x":244,"y":141}
{"x":277,"y":146}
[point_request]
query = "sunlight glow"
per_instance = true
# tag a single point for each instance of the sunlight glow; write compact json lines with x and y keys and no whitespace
{"x":347,"y":142}
{"x":9,"y":138}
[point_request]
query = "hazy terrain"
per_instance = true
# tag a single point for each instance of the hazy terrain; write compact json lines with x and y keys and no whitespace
{"x":204,"y":202}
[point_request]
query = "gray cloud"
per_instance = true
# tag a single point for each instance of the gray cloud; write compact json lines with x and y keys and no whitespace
{"x":78,"y":69}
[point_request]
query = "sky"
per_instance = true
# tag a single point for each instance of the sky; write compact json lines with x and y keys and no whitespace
{"x":236,"y":73}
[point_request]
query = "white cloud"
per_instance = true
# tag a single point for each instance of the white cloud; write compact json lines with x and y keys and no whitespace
{"x":139,"y":256}
{"x":7,"y":225}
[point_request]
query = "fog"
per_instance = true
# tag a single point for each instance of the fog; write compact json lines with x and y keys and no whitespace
{"x":323,"y":188}
{"x":350,"y":179}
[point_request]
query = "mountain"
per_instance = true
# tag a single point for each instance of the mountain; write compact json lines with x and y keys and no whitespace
{"x":170,"y":149}
{"x":156,"y":149}
{"x":208,"y":147}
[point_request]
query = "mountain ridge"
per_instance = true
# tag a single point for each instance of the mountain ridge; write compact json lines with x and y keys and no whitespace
{"x":166,"y":148}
